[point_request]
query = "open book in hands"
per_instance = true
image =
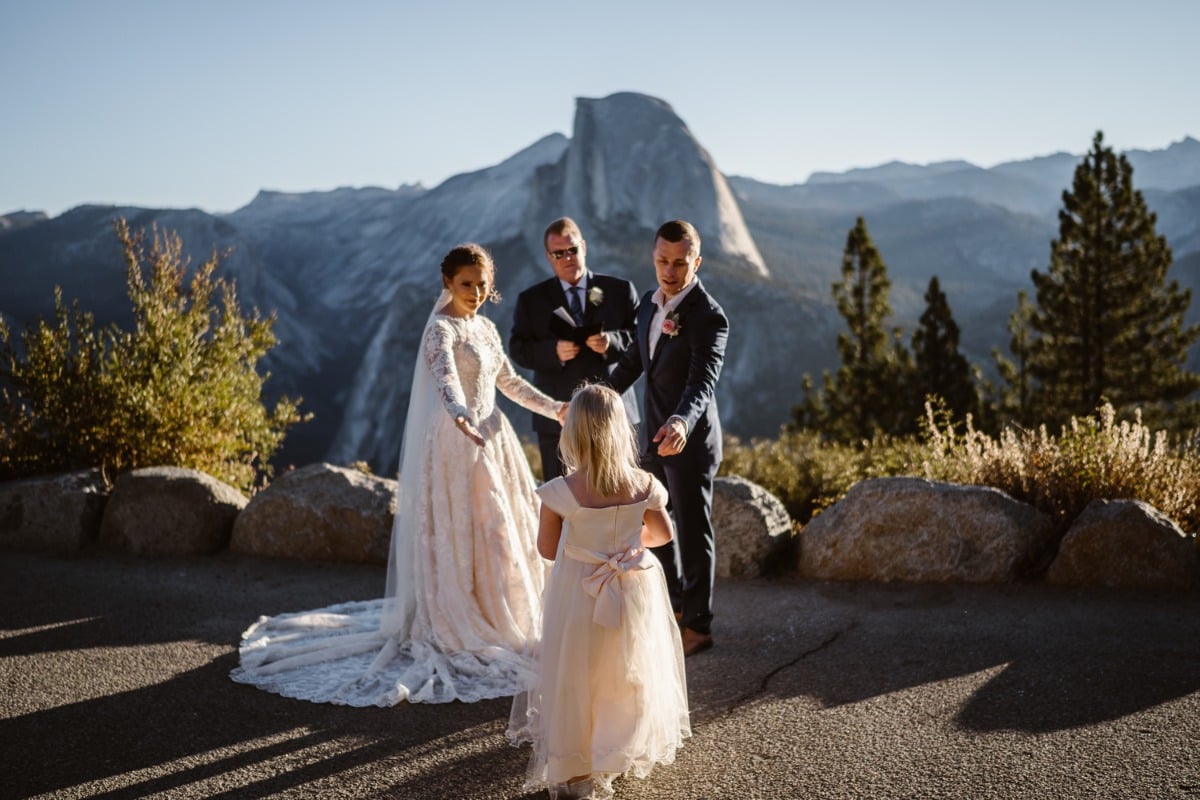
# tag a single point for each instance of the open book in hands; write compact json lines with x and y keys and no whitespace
{"x":564,"y":327}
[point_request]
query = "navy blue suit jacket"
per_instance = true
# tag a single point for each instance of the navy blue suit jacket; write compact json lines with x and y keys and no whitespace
{"x":681,"y":378}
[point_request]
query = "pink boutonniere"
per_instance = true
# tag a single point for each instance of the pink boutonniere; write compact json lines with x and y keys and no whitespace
{"x":671,"y":326}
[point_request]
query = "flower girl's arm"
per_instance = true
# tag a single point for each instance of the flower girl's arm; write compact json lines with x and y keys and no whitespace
{"x":656,"y":529}
{"x":549,"y":531}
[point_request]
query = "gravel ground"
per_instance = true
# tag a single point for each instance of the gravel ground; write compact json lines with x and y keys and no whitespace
{"x":114,"y":684}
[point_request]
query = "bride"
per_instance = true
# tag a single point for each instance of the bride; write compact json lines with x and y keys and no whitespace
{"x":462,"y":607}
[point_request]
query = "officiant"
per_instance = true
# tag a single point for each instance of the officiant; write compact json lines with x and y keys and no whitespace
{"x":570,"y":329}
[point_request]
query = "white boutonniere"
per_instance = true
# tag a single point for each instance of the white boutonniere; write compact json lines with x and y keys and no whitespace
{"x":595,"y":295}
{"x":671,"y":326}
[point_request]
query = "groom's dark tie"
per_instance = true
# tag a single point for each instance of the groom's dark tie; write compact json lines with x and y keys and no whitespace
{"x":576,"y":306}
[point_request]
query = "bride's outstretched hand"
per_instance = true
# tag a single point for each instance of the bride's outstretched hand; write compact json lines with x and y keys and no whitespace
{"x":467,"y":428}
{"x":562,"y":413}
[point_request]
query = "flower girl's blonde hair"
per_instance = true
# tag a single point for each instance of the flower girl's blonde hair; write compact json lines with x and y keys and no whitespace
{"x":598,"y":438}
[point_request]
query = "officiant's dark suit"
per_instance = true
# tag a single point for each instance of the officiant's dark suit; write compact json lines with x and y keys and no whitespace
{"x":561,"y":366}
{"x":680,"y":347}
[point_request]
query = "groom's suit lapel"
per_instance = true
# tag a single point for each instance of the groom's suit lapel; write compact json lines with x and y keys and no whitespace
{"x":645,"y":317}
{"x":665,"y":342}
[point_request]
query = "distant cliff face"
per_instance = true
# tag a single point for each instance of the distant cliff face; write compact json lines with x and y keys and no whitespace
{"x":633,"y":162}
{"x":351,"y":274}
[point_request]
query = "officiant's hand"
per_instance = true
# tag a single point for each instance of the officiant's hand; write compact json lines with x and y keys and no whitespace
{"x":566,"y":350}
{"x":598,"y":343}
{"x":467,"y":428}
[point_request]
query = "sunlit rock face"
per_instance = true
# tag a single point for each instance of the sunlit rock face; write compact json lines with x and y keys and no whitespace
{"x":633,"y":162}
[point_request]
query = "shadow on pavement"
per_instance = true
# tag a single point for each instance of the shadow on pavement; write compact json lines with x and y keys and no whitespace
{"x":188,"y":720}
{"x":1061,"y":658}
{"x":76,"y":633}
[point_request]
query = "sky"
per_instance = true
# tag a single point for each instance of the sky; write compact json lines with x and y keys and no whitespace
{"x":202,"y":103}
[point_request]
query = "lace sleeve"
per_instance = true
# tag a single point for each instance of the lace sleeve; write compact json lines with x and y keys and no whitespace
{"x":521,"y":391}
{"x":437,"y":349}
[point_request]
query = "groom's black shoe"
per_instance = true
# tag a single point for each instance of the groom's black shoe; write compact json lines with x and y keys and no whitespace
{"x":695,"y":641}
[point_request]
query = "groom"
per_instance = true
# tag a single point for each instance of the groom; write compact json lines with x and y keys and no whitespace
{"x":570,"y":329}
{"x":680,"y":346}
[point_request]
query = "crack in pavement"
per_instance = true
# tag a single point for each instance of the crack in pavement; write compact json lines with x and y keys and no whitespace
{"x":766,"y":679}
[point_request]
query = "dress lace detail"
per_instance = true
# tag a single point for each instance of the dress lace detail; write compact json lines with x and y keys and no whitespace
{"x":471,"y":559}
{"x":466,"y":354}
{"x":611,"y":691}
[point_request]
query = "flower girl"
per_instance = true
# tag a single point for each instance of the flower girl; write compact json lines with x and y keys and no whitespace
{"x":611,"y":693}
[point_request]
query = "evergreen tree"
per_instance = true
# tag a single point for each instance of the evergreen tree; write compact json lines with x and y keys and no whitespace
{"x":1107,"y":324}
{"x":939,"y":368}
{"x":866,"y":396}
{"x":1013,"y":401}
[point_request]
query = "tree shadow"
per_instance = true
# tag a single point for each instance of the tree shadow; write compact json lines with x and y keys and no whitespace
{"x":105,"y":599}
{"x":197,"y":728}
{"x":184,"y":726}
{"x":1056,"y":658}
{"x":1039,"y":659}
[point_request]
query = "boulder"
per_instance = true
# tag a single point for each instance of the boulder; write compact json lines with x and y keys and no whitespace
{"x":1125,"y":543}
{"x":52,"y":513}
{"x":170,"y":511}
{"x":752,"y":528}
{"x":910,"y":529}
{"x":320,"y":512}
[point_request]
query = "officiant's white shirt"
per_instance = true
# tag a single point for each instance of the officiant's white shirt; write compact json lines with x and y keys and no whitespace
{"x":582,"y":285}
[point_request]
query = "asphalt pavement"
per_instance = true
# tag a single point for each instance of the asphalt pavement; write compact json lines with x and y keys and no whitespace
{"x":114,"y":684}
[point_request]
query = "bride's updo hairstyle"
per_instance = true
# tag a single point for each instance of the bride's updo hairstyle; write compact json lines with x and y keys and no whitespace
{"x":598,"y":438}
{"x":470,"y":254}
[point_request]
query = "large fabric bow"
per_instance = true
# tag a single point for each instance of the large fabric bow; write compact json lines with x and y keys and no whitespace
{"x":604,"y":583}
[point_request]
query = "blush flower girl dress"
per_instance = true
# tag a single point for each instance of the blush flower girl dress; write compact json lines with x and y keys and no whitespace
{"x":610,"y":698}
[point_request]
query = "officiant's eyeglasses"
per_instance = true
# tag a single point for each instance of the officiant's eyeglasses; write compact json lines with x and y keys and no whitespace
{"x":559,"y":255}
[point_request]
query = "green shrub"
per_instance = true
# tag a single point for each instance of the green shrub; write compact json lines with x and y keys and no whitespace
{"x":179,"y":389}
{"x":808,"y":474}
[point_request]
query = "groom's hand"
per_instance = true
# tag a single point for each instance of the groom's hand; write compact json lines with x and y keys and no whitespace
{"x":671,"y":437}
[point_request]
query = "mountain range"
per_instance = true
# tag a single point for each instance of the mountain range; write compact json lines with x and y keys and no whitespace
{"x":351,"y":273}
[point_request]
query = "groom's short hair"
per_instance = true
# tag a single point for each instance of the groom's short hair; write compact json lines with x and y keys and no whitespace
{"x":563,"y":226}
{"x":676,"y":231}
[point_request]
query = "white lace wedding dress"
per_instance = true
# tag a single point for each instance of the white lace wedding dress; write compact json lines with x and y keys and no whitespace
{"x":462,"y":608}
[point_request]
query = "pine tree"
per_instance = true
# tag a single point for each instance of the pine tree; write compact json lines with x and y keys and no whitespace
{"x":1107,"y":324}
{"x":866,"y":396}
{"x":1014,"y":401}
{"x":940,"y":369}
